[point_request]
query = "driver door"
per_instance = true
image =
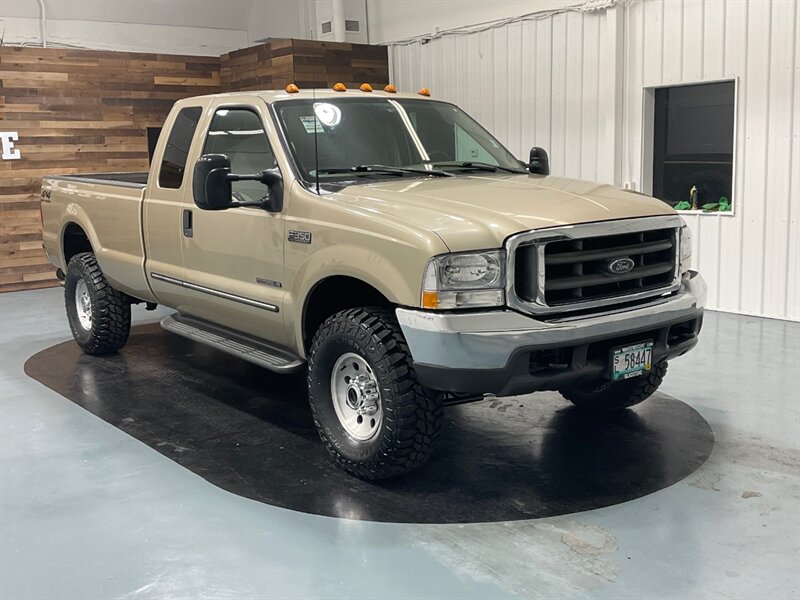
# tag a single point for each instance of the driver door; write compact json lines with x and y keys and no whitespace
{"x":233,"y":259}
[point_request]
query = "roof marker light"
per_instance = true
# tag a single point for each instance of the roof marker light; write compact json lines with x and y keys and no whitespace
{"x":365,"y":87}
{"x":339,"y":87}
{"x":424,"y":92}
{"x":390,"y":89}
{"x":292,"y":89}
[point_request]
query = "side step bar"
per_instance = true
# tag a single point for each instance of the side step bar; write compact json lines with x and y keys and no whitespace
{"x":225,"y":340}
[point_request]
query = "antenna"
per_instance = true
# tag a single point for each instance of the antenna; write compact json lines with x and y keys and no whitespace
{"x":316,"y":145}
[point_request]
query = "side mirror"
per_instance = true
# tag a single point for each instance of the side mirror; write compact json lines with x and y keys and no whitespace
{"x":539,"y":164}
{"x":212,"y":190}
{"x":211,"y":185}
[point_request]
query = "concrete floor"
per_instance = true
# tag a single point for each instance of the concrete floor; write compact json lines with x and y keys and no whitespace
{"x":88,"y":512}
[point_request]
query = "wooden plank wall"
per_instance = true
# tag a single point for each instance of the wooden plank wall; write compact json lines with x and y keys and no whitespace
{"x":80,"y":111}
{"x":307,"y":63}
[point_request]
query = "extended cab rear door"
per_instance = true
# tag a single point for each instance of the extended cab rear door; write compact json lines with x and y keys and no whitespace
{"x":233,"y":259}
{"x":170,"y":179}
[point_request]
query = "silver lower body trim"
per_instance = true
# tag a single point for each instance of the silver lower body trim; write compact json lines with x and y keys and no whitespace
{"x":211,"y":291}
{"x":487,"y":340}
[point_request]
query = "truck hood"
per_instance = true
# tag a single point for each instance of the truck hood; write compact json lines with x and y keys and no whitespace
{"x":481,"y":211}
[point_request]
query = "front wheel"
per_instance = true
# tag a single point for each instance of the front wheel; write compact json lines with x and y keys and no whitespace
{"x":375,"y":420}
{"x":99,"y":316}
{"x":607,"y":395}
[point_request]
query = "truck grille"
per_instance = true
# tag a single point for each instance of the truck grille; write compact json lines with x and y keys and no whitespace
{"x":572,"y":272}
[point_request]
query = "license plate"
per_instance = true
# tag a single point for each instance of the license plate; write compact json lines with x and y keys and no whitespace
{"x":631,"y":361}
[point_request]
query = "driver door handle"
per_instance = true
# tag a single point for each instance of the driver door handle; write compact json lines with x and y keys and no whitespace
{"x":187,"y":223}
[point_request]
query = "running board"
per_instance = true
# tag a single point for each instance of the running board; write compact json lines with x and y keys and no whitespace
{"x":231,"y":342}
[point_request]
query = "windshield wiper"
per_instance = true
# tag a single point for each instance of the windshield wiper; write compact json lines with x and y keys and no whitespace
{"x":478,"y":166}
{"x":399,"y":171}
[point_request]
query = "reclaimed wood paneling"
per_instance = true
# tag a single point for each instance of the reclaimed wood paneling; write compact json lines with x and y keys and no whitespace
{"x":307,"y":63}
{"x":83,"y":111}
{"x":78,"y":111}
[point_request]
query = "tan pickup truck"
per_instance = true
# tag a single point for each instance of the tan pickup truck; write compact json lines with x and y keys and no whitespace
{"x":391,"y":246}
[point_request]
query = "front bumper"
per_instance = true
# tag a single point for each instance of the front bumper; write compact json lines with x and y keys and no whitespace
{"x":507,"y":353}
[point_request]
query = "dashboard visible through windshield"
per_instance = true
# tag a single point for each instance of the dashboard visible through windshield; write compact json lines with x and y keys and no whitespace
{"x":345,"y":139}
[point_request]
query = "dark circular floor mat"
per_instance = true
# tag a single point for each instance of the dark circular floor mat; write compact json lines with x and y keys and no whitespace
{"x":250,"y":432}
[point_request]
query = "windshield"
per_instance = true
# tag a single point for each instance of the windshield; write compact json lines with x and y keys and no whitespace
{"x":381,"y":137}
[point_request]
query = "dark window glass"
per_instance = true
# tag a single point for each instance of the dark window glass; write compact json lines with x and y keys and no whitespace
{"x":239,"y":134}
{"x":152,"y":140}
{"x":693,"y":145}
{"x":173,"y":164}
{"x":339,"y":134}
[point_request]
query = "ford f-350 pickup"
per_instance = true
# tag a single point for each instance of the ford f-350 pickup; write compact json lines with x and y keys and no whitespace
{"x":388,"y":244}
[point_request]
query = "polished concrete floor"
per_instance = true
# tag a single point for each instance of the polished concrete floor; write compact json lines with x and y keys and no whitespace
{"x":89,"y":511}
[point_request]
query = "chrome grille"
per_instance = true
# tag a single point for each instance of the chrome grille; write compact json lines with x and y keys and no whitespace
{"x":586,"y":266}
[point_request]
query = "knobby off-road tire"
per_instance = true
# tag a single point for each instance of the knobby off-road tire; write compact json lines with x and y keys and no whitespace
{"x":407,"y":418}
{"x":608,"y":395}
{"x":99,"y":315}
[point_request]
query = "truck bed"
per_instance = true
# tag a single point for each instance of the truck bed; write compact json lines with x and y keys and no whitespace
{"x":134,"y":180}
{"x":105,"y":208}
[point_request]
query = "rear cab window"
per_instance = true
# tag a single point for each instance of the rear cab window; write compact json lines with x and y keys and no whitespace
{"x":173,"y":163}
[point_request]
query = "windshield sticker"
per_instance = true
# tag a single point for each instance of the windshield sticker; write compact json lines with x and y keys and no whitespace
{"x":311,"y":123}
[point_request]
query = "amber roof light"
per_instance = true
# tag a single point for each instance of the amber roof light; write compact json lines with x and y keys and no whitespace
{"x":292,"y":89}
{"x":339,"y":87}
{"x":424,"y":92}
{"x":365,"y":87}
{"x":390,"y":89}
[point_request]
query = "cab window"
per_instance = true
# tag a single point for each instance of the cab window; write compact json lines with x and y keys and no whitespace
{"x":239,"y":134}
{"x":173,"y":165}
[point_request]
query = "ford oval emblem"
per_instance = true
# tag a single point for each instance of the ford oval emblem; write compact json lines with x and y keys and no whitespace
{"x":618,"y":266}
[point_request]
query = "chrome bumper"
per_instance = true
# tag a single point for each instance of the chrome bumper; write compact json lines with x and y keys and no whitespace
{"x":487,"y":340}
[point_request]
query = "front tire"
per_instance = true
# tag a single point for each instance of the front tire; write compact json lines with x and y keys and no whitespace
{"x":375,"y":420}
{"x":99,"y":316}
{"x":608,"y":396}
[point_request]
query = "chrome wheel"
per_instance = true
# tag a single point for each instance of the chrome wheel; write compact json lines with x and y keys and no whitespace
{"x":83,"y":304}
{"x":356,"y":397}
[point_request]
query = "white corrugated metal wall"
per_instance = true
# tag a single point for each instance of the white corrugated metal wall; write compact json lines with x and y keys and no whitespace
{"x":575,"y":84}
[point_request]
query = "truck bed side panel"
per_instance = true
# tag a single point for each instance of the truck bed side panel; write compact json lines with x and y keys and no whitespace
{"x":111,"y":217}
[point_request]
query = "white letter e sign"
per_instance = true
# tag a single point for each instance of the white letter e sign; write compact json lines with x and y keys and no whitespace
{"x":7,"y":139}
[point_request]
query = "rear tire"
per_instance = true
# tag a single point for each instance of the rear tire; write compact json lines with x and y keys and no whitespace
{"x":375,"y":420}
{"x":608,"y":395}
{"x":99,"y":316}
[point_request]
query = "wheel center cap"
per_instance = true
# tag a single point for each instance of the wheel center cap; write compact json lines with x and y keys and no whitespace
{"x":354,"y":398}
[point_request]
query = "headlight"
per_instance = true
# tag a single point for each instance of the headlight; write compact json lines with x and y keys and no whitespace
{"x":465,"y":280}
{"x":686,"y":249}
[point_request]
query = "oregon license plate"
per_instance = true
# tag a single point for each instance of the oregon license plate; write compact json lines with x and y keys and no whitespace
{"x":631,"y":361}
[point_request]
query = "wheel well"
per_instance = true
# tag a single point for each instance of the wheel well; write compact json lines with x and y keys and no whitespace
{"x":335,"y":294}
{"x":75,"y":242}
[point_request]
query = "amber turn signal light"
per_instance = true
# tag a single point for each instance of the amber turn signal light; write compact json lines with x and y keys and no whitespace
{"x":339,"y":87}
{"x":390,"y":89}
{"x":424,"y":92}
{"x":292,"y":89}
{"x":430,"y":299}
{"x":365,"y":87}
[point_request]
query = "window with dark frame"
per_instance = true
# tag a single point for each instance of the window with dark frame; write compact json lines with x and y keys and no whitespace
{"x":152,"y":141}
{"x":176,"y":153}
{"x":239,"y":134}
{"x":693,"y":146}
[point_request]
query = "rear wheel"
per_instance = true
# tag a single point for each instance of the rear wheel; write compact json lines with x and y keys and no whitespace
{"x":99,"y":316}
{"x":375,"y":420}
{"x":608,"y":395}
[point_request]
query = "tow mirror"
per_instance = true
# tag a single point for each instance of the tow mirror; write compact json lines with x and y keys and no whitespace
{"x":539,"y":163}
{"x":210,"y":185}
{"x":212,"y":190}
